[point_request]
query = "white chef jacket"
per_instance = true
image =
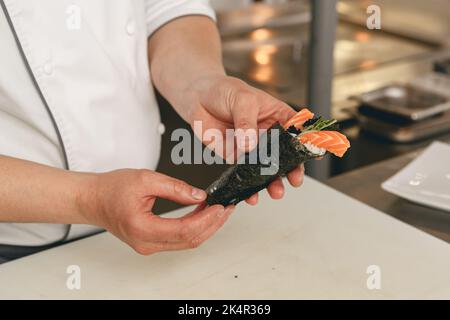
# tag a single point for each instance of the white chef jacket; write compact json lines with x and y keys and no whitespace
{"x":76,"y":92}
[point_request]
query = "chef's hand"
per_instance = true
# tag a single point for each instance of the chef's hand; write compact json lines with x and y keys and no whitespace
{"x":197,"y":87}
{"x":121,"y":202}
{"x":223,"y":102}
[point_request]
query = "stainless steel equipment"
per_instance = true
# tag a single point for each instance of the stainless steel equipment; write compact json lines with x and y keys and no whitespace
{"x":402,"y":104}
{"x":442,"y":66}
{"x":423,"y":20}
{"x":434,"y":82}
{"x":276,"y":60}
{"x":406,"y":133}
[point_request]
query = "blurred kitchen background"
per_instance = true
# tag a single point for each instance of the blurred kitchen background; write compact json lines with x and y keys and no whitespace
{"x":390,"y":87}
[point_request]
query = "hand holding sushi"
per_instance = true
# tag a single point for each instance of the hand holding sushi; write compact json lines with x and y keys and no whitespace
{"x":121,"y":201}
{"x":300,"y":139}
{"x":222,"y":102}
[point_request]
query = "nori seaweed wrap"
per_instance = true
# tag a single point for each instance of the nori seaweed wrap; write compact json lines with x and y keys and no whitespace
{"x":244,"y":179}
{"x":280,"y":150}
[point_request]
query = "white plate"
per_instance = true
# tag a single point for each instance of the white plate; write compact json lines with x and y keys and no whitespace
{"x":426,"y":180}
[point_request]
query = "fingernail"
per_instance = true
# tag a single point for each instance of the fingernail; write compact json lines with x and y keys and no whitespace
{"x":198,"y":194}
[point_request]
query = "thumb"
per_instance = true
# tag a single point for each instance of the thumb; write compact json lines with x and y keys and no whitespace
{"x":245,"y":118}
{"x":176,"y":190}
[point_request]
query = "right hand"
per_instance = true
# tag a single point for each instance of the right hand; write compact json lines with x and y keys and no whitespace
{"x":121,"y":201}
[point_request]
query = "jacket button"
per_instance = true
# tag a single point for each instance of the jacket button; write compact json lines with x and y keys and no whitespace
{"x":161,"y":129}
{"x":131,"y":28}
{"x":48,"y":68}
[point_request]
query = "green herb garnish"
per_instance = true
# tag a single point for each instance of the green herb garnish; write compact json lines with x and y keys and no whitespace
{"x":321,"y":124}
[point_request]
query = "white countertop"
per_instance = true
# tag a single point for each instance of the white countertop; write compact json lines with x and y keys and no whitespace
{"x":315,"y":243}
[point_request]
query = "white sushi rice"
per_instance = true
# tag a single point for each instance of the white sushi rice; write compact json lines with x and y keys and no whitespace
{"x":314,"y":149}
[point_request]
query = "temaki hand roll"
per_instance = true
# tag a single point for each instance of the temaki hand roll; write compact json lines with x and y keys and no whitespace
{"x":280,"y":150}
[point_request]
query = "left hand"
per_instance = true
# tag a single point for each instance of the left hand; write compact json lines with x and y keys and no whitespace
{"x":222,"y":102}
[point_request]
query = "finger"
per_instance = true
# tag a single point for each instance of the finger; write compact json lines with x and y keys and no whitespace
{"x":245,"y":118}
{"x":253,"y":200}
{"x":150,"y":248}
{"x":232,"y":152}
{"x":213,"y":229}
{"x":274,"y":109}
{"x":212,"y":132}
{"x":175,"y":190}
{"x":285,"y":112}
{"x":276,"y":189}
{"x":152,"y":228}
{"x":295,"y":177}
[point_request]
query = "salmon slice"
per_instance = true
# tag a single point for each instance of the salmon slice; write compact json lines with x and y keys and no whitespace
{"x":332,"y":141}
{"x":299,"y":119}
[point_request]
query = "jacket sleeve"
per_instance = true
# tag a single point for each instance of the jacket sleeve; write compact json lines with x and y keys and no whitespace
{"x":160,"y":12}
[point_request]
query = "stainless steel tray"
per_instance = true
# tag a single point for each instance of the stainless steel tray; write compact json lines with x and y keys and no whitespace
{"x":406,"y":133}
{"x":403,"y":101}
